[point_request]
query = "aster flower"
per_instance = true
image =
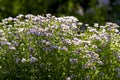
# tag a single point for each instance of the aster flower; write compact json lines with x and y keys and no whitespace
{"x":31,"y":49}
{"x":23,"y":60}
{"x":96,"y":25}
{"x":12,"y":48}
{"x":93,"y":68}
{"x":74,"y":60}
{"x":17,"y":60}
{"x":68,"y":78}
{"x":64,"y":48}
{"x":117,"y":69}
{"x":20,"y":16}
{"x":33,"y":59}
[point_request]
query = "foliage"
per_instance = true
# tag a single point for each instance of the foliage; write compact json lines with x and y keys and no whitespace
{"x":87,"y":11}
{"x":51,"y":48}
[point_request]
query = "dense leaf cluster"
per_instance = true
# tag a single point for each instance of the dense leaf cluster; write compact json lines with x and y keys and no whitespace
{"x":87,"y":11}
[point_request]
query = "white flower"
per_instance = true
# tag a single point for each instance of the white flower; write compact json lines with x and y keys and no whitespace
{"x":102,"y":27}
{"x":19,"y":16}
{"x":96,"y":25}
{"x":103,"y":30}
{"x":65,"y":27}
{"x":8,"y":43}
{"x":116,"y":30}
{"x":76,"y":41}
{"x":93,"y":68}
{"x":94,"y":46}
{"x":54,"y":26}
{"x":48,"y":15}
{"x":23,"y":60}
{"x":21,"y":29}
{"x":93,"y":30}
{"x":68,"y":78}
{"x":48,"y":43}
{"x":12,"y":47}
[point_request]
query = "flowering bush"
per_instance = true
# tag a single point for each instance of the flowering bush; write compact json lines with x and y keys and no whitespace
{"x":51,"y":48}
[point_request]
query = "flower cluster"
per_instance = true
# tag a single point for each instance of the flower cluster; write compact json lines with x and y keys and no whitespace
{"x":49,"y":47}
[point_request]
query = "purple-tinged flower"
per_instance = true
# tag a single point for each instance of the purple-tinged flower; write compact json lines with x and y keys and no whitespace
{"x":54,"y":26}
{"x":70,"y":77}
{"x":100,"y":62}
{"x":104,"y":2}
{"x":65,"y":27}
{"x":6,"y":43}
{"x":55,"y":47}
{"x":64,"y":48}
{"x":15,"y":20}
{"x":29,"y":16}
{"x":76,"y":41}
{"x":95,"y":37}
{"x":111,"y":26}
{"x":12,"y":47}
{"x":107,"y":37}
{"x":74,"y":60}
{"x":17,"y":60}
{"x":78,"y":51}
{"x":67,"y":41}
{"x":33,"y":59}
{"x":31,"y":49}
{"x":90,"y":52}
{"x":15,"y":43}
{"x":117,"y":69}
{"x":35,"y":31}
{"x":117,"y":75}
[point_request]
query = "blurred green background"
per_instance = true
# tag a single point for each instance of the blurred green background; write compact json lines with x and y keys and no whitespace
{"x":87,"y":11}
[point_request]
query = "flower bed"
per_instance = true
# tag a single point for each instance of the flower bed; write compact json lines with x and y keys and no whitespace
{"x":56,"y":48}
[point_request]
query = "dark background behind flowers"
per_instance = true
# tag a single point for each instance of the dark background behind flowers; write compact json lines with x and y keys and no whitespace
{"x":87,"y":11}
